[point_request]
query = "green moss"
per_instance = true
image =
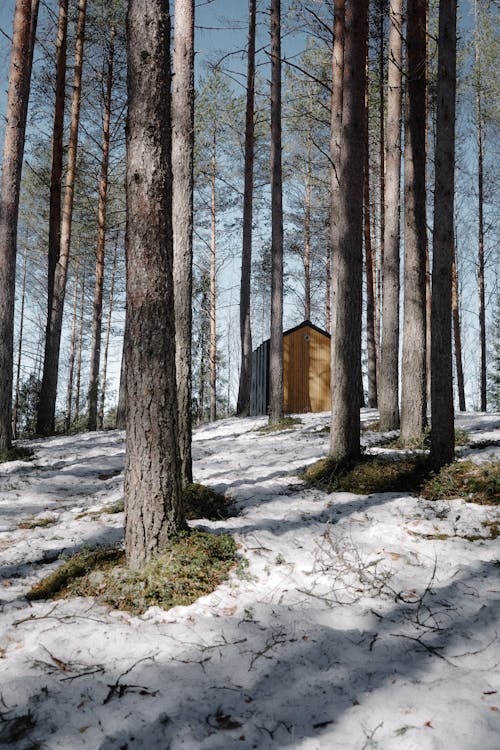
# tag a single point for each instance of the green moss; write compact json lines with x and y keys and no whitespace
{"x":369,"y":475}
{"x":283,"y":424}
{"x":475,"y":483}
{"x":16,"y":453}
{"x":193,"y":564}
{"x":370,"y":426}
{"x":461,"y":437}
{"x":203,"y":502}
{"x":33,"y":523}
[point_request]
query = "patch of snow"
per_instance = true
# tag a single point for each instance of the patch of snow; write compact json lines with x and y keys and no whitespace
{"x":360,"y":621}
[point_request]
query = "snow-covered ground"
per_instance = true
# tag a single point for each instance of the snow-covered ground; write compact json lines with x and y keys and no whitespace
{"x":349,"y":628}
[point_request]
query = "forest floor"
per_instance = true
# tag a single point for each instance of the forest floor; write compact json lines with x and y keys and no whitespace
{"x":359,"y":622}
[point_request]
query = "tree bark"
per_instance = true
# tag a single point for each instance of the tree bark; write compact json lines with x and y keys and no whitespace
{"x":336,"y":120}
{"x":328,"y":291}
{"x":80,"y":350}
{"x":480,"y":220}
{"x":456,"y":333}
{"x":182,"y":211}
{"x":95,"y":349}
{"x":307,"y":233}
{"x":443,"y":432}
{"x":389,"y":354}
{"x":348,"y":257}
{"x":16,"y":114}
{"x":106,"y":341}
{"x":72,"y":349}
{"x":370,"y":297}
{"x":276,"y":343}
{"x":54,"y":245}
{"x":121,"y":410}
{"x":413,"y":385}
{"x":213,"y":283}
{"x":153,"y":489}
{"x":48,"y":393}
{"x":378,"y":299}
{"x":243,"y":406}
{"x":20,"y":345}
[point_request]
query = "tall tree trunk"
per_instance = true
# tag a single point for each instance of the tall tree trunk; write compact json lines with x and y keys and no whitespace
{"x":153,"y":487}
{"x":443,"y":434}
{"x":80,"y":350}
{"x":378,"y":302}
{"x":213,"y":284}
{"x":413,"y":385}
{"x":480,"y":226}
{"x":182,"y":212}
{"x":389,"y":354}
{"x":328,"y":291}
{"x":121,"y":409}
{"x":48,"y":393}
{"x":276,"y":343}
{"x":95,"y":349}
{"x":336,"y":123}
{"x":20,"y":345}
{"x":106,"y":342}
{"x":72,"y":349}
{"x":370,"y":297}
{"x":54,"y":245}
{"x":243,"y":406}
{"x":307,"y":233}
{"x":348,"y":256}
{"x":335,"y":146}
{"x":456,"y":333}
{"x":17,"y":108}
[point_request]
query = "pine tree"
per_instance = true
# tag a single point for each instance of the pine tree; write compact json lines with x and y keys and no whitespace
{"x":153,"y":488}
{"x":17,"y":108}
{"x":347,"y":260}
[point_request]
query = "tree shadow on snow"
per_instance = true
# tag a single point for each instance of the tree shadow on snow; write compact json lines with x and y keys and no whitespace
{"x":272,"y":683}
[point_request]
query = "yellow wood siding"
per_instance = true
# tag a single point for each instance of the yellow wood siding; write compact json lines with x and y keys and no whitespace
{"x":306,"y":371}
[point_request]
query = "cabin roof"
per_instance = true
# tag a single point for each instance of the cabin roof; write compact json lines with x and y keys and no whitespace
{"x":306,"y":324}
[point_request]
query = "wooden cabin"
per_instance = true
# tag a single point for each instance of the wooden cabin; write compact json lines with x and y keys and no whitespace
{"x":306,"y":372}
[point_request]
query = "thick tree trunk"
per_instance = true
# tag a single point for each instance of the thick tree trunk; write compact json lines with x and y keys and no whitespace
{"x":413,"y":385}
{"x":106,"y":341}
{"x":276,"y":343}
{"x":72,"y":349}
{"x":17,"y":108}
{"x":443,"y":433}
{"x":19,"y":346}
{"x":95,"y":348}
{"x":213,"y":285}
{"x":456,"y":333}
{"x":48,"y":394}
{"x":57,"y":153}
{"x":182,"y":211}
{"x":153,"y":488}
{"x":243,"y":406}
{"x":348,"y":256}
{"x":389,"y":355}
